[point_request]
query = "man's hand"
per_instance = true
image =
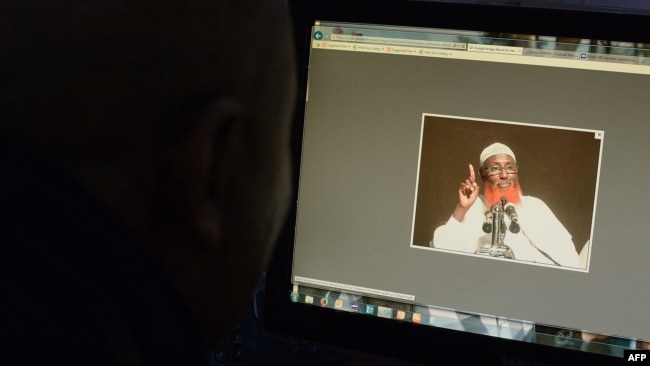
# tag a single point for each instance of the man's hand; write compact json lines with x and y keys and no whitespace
{"x":467,"y":194}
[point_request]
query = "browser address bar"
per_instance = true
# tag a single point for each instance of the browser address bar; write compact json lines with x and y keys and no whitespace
{"x":398,"y":41}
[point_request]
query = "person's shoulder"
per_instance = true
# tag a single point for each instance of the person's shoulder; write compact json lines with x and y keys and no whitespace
{"x":532,"y":200}
{"x":532,"y":203}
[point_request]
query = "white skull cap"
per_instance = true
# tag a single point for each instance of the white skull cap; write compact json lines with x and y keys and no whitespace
{"x":496,"y":148}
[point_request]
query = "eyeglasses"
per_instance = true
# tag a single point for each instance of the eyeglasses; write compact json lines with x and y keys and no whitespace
{"x":496,"y":170}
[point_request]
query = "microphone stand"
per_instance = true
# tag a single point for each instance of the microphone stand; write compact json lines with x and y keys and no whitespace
{"x":498,"y":230}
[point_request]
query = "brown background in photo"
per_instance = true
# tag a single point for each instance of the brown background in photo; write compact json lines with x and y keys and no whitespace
{"x":558,"y":166}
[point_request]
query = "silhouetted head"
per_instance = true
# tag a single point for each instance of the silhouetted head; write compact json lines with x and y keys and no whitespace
{"x":176,"y":114}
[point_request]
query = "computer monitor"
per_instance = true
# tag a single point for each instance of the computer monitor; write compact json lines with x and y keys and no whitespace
{"x":470,"y":183}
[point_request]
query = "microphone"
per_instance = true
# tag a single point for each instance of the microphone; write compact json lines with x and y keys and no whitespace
{"x":511,"y":211}
{"x":487,"y":225}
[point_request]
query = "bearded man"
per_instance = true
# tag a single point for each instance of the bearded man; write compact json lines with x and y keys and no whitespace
{"x":541,"y":237}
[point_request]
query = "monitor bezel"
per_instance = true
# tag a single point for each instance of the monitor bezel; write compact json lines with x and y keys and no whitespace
{"x":389,"y":338}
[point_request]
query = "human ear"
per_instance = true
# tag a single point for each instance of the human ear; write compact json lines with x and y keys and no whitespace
{"x":194,"y":186}
{"x":191,"y":231}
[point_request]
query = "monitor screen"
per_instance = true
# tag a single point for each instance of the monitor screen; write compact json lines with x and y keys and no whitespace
{"x":472,"y":182}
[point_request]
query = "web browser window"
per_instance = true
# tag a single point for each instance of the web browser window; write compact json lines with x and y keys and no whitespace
{"x":476,"y":181}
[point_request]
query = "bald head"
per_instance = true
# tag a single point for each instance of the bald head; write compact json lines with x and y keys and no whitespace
{"x":175,"y":114}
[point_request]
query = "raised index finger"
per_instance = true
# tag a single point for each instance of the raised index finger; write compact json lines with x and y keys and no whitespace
{"x":472,"y":177}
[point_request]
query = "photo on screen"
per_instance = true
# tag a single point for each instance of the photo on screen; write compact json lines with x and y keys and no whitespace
{"x":507,"y":190}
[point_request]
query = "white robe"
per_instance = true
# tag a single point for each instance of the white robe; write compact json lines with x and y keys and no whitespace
{"x":540,"y":232}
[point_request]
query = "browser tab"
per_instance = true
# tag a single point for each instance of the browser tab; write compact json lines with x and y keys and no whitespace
{"x":503,"y":50}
